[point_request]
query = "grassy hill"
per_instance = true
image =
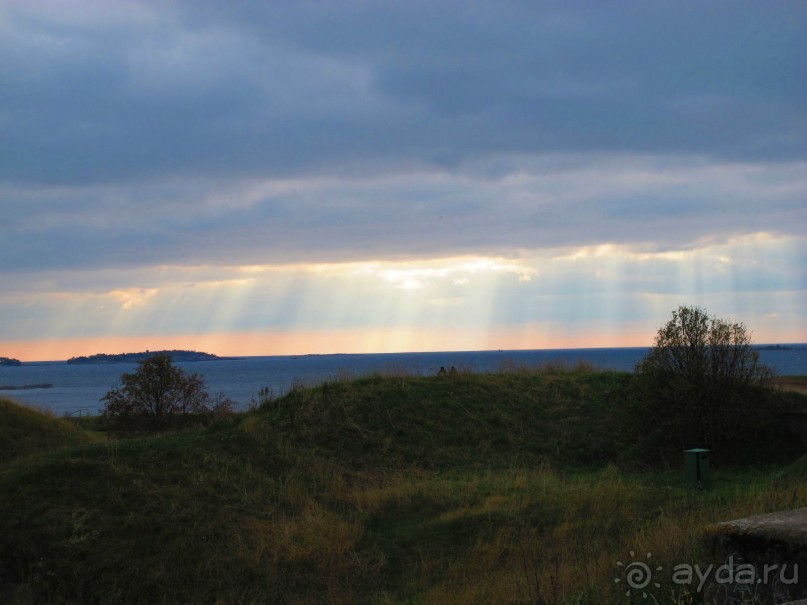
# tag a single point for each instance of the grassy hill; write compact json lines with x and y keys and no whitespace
{"x":469,"y":420}
{"x":24,"y":432}
{"x":465,"y":489}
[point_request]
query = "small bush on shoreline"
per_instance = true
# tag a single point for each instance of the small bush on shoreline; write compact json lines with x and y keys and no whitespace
{"x":160,"y":396}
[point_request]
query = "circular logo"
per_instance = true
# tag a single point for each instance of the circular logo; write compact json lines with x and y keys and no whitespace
{"x":637,"y":575}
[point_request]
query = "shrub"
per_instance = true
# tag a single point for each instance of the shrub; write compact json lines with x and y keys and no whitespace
{"x":159,"y":395}
{"x":702,"y":379}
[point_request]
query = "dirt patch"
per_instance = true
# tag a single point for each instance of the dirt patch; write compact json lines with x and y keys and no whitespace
{"x":791,"y":383}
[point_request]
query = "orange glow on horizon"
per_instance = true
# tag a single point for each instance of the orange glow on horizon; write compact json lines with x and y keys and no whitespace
{"x":242,"y":344}
{"x":360,"y":340}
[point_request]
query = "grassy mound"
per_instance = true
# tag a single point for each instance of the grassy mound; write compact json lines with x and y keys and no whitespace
{"x":570,"y":418}
{"x":138,"y":520}
{"x":24,"y":432}
{"x":467,"y":420}
{"x":462,"y":489}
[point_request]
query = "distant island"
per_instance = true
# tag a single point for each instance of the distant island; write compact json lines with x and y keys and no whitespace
{"x":8,"y":361}
{"x":24,"y":387}
{"x":778,"y":347}
{"x":176,"y":356}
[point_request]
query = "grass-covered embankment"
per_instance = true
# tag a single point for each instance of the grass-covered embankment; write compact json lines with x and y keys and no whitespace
{"x":500,"y":488}
{"x":24,"y":432}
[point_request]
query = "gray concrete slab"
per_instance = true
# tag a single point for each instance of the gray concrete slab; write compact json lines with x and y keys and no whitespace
{"x":788,"y":526}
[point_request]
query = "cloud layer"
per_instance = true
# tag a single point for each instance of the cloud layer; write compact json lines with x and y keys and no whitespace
{"x":151,"y":147}
{"x":109,"y":91}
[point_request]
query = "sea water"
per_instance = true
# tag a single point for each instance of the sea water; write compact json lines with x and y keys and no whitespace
{"x":78,"y":388}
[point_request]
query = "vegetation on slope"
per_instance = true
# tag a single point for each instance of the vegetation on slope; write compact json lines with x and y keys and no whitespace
{"x":468,"y":420}
{"x":463,"y":489}
{"x":24,"y":432}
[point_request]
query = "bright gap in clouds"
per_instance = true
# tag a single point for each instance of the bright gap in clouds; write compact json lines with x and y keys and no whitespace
{"x":600,"y":296}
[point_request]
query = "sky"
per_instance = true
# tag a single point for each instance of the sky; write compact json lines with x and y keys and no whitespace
{"x":266,"y":177}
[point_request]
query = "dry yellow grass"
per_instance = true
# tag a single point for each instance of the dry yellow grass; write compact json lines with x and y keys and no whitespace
{"x":794,"y":384}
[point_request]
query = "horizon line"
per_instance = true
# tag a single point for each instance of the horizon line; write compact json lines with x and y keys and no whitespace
{"x":350,"y":353}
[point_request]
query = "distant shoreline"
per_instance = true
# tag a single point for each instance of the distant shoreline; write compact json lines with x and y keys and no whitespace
{"x":25,"y":387}
{"x":187,"y":356}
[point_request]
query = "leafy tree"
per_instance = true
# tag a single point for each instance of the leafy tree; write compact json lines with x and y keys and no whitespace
{"x":160,"y":395}
{"x":702,"y":380}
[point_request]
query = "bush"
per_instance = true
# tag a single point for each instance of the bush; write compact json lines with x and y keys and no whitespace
{"x":702,"y":382}
{"x":158,"y":395}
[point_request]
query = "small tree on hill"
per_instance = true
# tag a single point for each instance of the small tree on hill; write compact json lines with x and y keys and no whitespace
{"x":702,"y":378}
{"x":160,"y":395}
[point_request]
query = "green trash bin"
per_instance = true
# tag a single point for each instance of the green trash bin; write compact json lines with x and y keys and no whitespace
{"x":696,"y":469}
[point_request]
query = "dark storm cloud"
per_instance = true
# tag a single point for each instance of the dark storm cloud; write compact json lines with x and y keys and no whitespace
{"x":110,"y":92}
{"x":151,"y":133}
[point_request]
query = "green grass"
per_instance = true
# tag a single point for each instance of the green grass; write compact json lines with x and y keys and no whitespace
{"x":501,"y":488}
{"x":571,"y":418}
{"x":24,"y":432}
{"x":470,"y":420}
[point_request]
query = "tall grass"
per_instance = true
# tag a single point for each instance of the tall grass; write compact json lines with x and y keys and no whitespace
{"x":495,"y":489}
{"x":25,"y":431}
